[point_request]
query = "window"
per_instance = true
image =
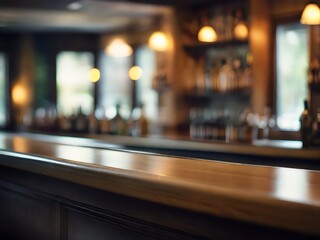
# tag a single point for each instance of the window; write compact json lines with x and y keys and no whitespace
{"x":74,"y":89}
{"x":115,"y":87}
{"x":3,"y":111}
{"x":291,"y":73}
{"x":146,"y":59}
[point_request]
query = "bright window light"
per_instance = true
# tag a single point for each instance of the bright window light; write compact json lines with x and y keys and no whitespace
{"x":74,"y":88}
{"x":291,"y":73}
{"x":114,"y":86}
{"x":146,"y":59}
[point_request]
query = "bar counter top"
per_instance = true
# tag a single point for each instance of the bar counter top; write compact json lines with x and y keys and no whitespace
{"x":279,"y":197}
{"x":263,"y":147}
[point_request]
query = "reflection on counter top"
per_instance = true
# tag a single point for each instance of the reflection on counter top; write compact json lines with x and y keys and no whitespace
{"x":260,"y":152}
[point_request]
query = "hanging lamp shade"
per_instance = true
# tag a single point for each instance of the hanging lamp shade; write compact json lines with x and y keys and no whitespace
{"x":311,"y":15}
{"x":118,"y":48}
{"x":207,"y":34}
{"x":241,"y":31}
{"x":158,"y":41}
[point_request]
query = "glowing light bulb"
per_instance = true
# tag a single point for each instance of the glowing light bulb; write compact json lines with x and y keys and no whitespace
{"x":19,"y":95}
{"x":118,"y":48}
{"x":94,"y":75}
{"x":158,"y":41}
{"x":207,"y":34}
{"x":241,"y":31}
{"x":311,"y":15}
{"x":135,"y":73}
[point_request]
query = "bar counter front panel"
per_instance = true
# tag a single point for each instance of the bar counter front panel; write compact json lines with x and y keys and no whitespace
{"x":60,"y":189}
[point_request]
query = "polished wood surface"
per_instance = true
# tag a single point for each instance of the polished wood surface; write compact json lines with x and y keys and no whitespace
{"x":269,"y":148}
{"x":272,"y":196}
{"x":263,"y":147}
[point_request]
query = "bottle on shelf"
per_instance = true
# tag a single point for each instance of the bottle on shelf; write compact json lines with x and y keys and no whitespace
{"x":81,"y":122}
{"x":247,"y":72}
{"x":93,"y":123}
{"x":215,"y":75}
{"x":65,"y":123}
{"x":238,"y":73}
{"x":245,"y":126}
{"x":226,"y":76}
{"x":306,"y":126}
{"x":118,"y":125}
{"x":103,"y":123}
{"x":139,"y":121}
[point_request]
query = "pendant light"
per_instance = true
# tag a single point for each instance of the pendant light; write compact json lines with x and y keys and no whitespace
{"x":207,"y":34}
{"x":118,"y":48}
{"x":311,"y":14}
{"x":158,"y":41}
{"x":241,"y":31}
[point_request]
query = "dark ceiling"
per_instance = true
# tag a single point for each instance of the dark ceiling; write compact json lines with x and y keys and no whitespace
{"x":60,"y":4}
{"x":92,"y":16}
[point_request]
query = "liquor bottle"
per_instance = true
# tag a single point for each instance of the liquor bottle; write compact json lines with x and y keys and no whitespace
{"x":102,"y":122}
{"x":237,"y":74}
{"x":306,"y":125}
{"x":118,"y":124}
{"x":226,"y":76}
{"x":93,"y":123}
{"x":65,"y":123}
{"x":215,"y":76}
{"x":139,"y":122}
{"x":245,"y":131}
{"x":81,"y":122}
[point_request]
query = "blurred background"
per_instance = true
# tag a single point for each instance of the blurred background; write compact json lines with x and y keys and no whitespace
{"x":217,"y":70}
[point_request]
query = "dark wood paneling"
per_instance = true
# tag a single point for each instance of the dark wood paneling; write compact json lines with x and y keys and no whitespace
{"x":82,"y":227}
{"x":26,"y":217}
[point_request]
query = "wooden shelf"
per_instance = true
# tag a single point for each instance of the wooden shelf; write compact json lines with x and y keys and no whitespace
{"x":199,"y":48}
{"x":243,"y":94}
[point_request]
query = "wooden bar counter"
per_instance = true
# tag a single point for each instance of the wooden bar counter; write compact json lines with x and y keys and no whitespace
{"x":55,"y":187}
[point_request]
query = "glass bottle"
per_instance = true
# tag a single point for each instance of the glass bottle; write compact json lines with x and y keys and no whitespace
{"x":306,"y":125}
{"x":215,"y":76}
{"x":226,"y":76}
{"x":81,"y":122}
{"x":118,"y":124}
{"x":139,"y":121}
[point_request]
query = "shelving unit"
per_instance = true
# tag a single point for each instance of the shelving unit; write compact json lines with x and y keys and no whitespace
{"x":214,"y":112}
{"x":200,"y":49}
{"x":210,"y":52}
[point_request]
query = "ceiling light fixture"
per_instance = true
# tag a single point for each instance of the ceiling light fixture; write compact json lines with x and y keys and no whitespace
{"x":241,"y":31}
{"x":118,"y":48}
{"x":207,"y":34}
{"x":311,"y":14}
{"x":74,"y":6}
{"x":158,"y":41}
